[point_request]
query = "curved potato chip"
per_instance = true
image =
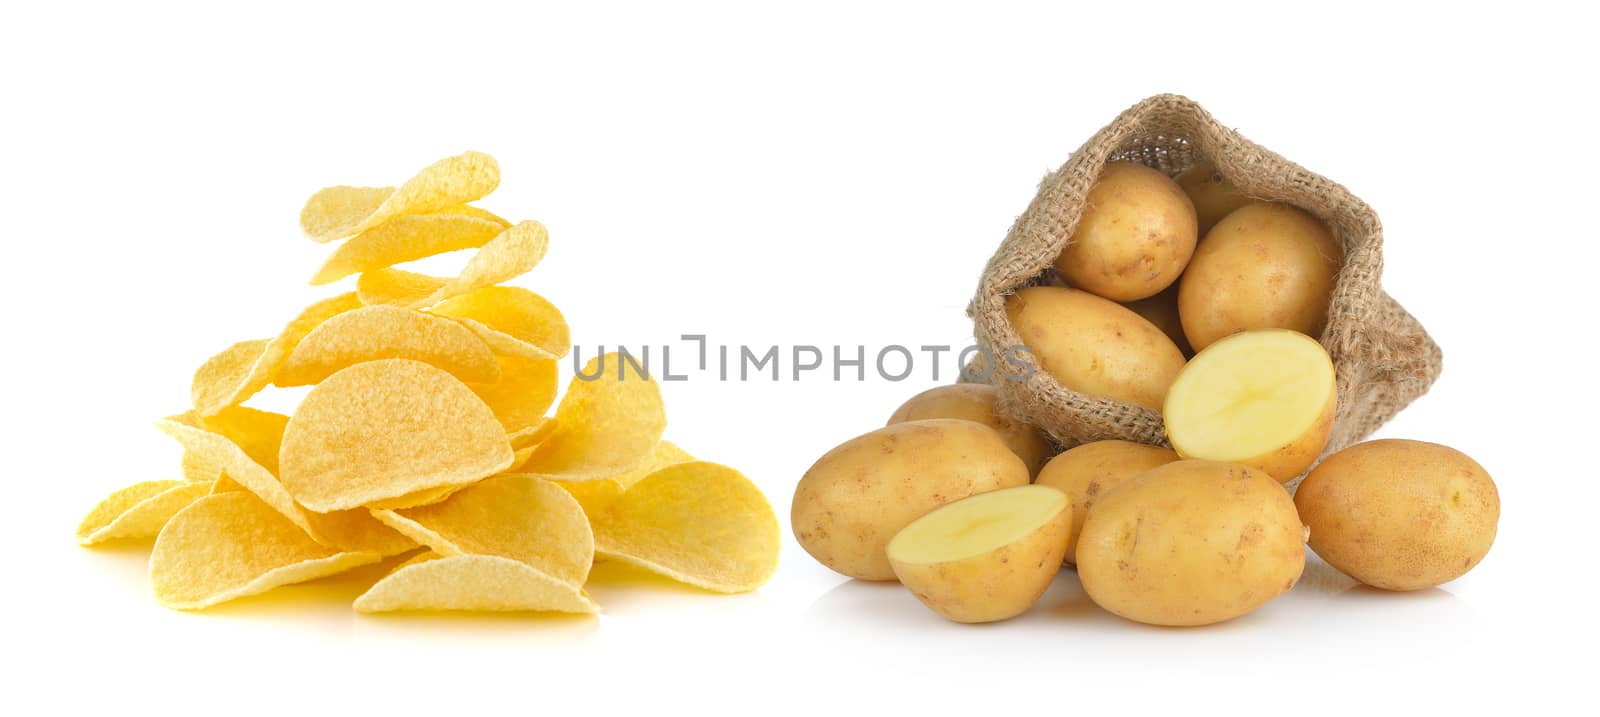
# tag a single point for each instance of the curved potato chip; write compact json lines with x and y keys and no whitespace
{"x":407,"y":238}
{"x":511,"y":254}
{"x":426,"y":496}
{"x":223,"y":385}
{"x":257,"y":433}
{"x":349,"y":530}
{"x":219,"y":381}
{"x":197,"y":469}
{"x":231,"y":545}
{"x":338,"y":212}
{"x":515,"y":321}
{"x":607,"y":425}
{"x":533,"y":434}
{"x":381,"y":332}
{"x":595,"y":496}
{"x":514,"y":516}
{"x":472,"y":582}
{"x":664,"y":454}
{"x":384,"y":429}
{"x":699,"y":523}
{"x":138,"y":511}
{"x":524,"y":392}
{"x":467,"y":210}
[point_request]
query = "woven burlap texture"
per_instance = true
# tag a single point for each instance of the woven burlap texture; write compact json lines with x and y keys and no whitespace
{"x":1383,"y":358}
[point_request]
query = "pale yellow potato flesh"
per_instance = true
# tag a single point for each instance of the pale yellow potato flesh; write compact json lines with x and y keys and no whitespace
{"x":987,"y":557}
{"x":1264,"y":399}
{"x":1191,"y":543}
{"x":1089,"y":471}
{"x":1134,"y":237}
{"x":1400,"y":515}
{"x":1264,"y":266}
{"x":1214,"y":197}
{"x":977,"y":402}
{"x":1095,"y":346}
{"x":858,"y":495}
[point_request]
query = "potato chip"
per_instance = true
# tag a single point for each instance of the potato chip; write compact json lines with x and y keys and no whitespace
{"x":533,"y":434}
{"x":197,"y":469}
{"x":227,"y":546}
{"x":384,"y":429}
{"x":594,"y":496}
{"x":407,"y":238}
{"x":380,"y":332}
{"x":607,"y":425}
{"x":511,"y":254}
{"x":338,"y":212}
{"x":426,"y":496}
{"x":699,"y":523}
{"x":224,"y":381}
{"x":472,"y":582}
{"x":138,"y":511}
{"x":515,"y":321}
{"x":350,"y":530}
{"x":524,"y":392}
{"x":257,"y":433}
{"x":223,"y":484}
{"x":514,"y":516}
{"x":664,"y":454}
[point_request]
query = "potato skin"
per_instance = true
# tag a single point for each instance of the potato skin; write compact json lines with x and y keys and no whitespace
{"x":858,"y":495}
{"x":1191,"y":543}
{"x":1094,"y":345}
{"x":1264,"y":266}
{"x":976,"y":402}
{"x":1135,"y":235}
{"x":1089,"y":471}
{"x":997,"y":585}
{"x":1399,"y":514}
{"x":1213,"y":196}
{"x":1162,"y":310}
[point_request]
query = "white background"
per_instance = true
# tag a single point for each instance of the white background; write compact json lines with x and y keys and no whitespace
{"x":812,"y":175}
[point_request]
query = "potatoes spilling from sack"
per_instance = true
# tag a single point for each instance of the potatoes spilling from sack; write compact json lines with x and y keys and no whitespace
{"x":425,"y":433}
{"x":1183,"y":296}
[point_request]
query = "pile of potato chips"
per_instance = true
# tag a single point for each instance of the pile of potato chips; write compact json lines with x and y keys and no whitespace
{"x":425,"y":431}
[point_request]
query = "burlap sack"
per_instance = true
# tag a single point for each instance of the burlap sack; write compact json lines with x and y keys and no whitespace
{"x":1383,"y":358}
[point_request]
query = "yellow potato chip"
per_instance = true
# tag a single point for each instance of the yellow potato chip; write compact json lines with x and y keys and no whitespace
{"x":338,"y":212}
{"x":138,"y":511}
{"x":524,"y":392}
{"x":595,"y":496}
{"x":515,"y":321}
{"x":472,"y":582}
{"x":381,"y":332}
{"x":349,"y":530}
{"x":426,"y":496}
{"x":511,"y":254}
{"x":257,"y":433}
{"x":699,"y":523}
{"x":533,"y":434}
{"x":664,"y":454}
{"x":467,"y":210}
{"x":407,"y":238}
{"x":384,"y":429}
{"x":231,"y":545}
{"x":514,"y":516}
{"x":223,"y":382}
{"x":197,"y":469}
{"x":607,"y":425}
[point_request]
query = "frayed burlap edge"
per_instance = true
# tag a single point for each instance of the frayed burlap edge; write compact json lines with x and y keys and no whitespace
{"x":1383,"y":358}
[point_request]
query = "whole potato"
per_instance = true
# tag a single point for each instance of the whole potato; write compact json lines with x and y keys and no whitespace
{"x":1191,"y":543}
{"x":1094,"y":345}
{"x":987,"y":557}
{"x":1398,"y":514}
{"x":1135,"y":235}
{"x":1265,"y":266}
{"x":1213,"y":196}
{"x":1162,"y":310}
{"x":1089,"y":471}
{"x":976,"y":402}
{"x":858,"y":495}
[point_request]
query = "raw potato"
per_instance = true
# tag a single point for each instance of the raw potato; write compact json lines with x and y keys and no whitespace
{"x":976,"y":402}
{"x":1400,"y":515}
{"x":1135,"y":235}
{"x":1265,"y":266}
{"x":858,"y":495}
{"x":1213,"y":196}
{"x":1095,"y":346}
{"x":1162,"y":310}
{"x":1091,"y":470}
{"x":985,"y":558}
{"x":1265,"y":399}
{"x":1191,"y":543}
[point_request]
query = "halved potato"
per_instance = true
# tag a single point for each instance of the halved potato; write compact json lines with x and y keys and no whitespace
{"x":985,"y":558}
{"x":1263,"y":398}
